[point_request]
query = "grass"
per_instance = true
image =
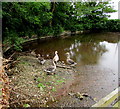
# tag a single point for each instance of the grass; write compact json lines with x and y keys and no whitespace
{"x":53,"y":89}
{"x":48,"y":83}
{"x":26,"y":105}
{"x":41,"y":85}
{"x":25,"y":63}
{"x":60,"y":81}
{"x":38,"y":80}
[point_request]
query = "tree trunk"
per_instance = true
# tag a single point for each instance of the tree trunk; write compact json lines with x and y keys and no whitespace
{"x":52,"y":10}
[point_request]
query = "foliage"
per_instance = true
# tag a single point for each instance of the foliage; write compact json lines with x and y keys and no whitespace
{"x":14,"y":40}
{"x":21,"y":19}
{"x":30,"y":18}
{"x":57,"y":30}
{"x":92,"y":14}
{"x":113,"y":25}
{"x":24,"y":19}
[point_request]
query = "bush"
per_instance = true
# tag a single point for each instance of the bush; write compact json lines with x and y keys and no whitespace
{"x":113,"y":25}
{"x":14,"y":40}
{"x":57,"y":30}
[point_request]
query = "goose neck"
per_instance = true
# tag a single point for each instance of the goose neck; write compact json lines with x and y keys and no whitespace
{"x":54,"y":63}
{"x":68,"y":57}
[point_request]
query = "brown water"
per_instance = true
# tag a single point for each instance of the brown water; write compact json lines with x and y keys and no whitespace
{"x":89,"y":49}
{"x":97,"y":63}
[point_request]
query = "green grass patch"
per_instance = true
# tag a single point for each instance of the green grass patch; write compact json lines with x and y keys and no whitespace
{"x":53,"y":89}
{"x":48,"y":83}
{"x":26,"y":105}
{"x":60,"y":81}
{"x":24,"y":63}
{"x":41,"y":85}
{"x":38,"y":80}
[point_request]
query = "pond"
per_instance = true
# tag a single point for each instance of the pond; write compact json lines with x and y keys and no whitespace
{"x":88,"y":49}
{"x":96,"y":55}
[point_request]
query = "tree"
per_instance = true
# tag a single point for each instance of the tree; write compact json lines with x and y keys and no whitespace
{"x":25,"y":19}
{"x":93,"y":14}
{"x":21,"y":19}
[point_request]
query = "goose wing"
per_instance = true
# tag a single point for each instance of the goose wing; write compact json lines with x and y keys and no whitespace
{"x":70,"y":61}
{"x":41,"y":60}
{"x":50,"y":69}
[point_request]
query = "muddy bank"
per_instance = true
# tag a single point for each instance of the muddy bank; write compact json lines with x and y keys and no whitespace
{"x":97,"y":82}
{"x":31,"y":85}
{"x":34,"y":88}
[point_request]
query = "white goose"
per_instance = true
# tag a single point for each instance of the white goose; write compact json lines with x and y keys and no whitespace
{"x":70,"y":61}
{"x":56,"y":57}
{"x":51,"y":69}
{"x":40,"y":59}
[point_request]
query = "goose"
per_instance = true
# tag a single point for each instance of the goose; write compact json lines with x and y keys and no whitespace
{"x":56,"y":57}
{"x":33,"y":53}
{"x":40,"y":59}
{"x":70,"y":61}
{"x":50,"y":69}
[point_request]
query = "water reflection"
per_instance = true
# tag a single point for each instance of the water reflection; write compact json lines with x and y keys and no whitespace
{"x":87,"y":53}
{"x":91,"y":49}
{"x":110,"y":58}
